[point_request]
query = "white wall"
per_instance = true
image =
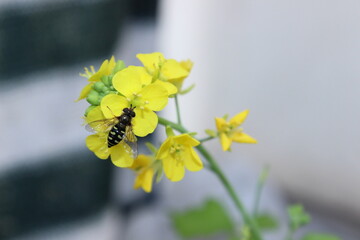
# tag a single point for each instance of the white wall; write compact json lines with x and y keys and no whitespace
{"x":295,"y":65}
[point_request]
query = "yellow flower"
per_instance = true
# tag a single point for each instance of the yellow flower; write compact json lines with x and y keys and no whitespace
{"x":121,"y":154}
{"x":177,"y":153}
{"x":105,"y":69}
{"x":137,"y":91}
{"x":167,"y":70}
{"x":146,"y":167}
{"x":230,"y":132}
{"x":143,"y":165}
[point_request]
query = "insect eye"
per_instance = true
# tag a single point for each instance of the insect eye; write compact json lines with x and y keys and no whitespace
{"x":133,"y":114}
{"x":126,"y":110}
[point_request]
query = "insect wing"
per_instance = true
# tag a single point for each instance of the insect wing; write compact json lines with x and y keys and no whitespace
{"x":101,"y":126}
{"x":131,"y":140}
{"x":129,"y":134}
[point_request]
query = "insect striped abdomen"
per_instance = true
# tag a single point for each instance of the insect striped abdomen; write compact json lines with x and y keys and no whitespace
{"x":116,"y":134}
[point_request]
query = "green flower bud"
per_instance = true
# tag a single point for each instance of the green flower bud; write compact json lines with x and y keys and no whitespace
{"x":91,"y":107}
{"x":93,"y":98}
{"x":120,"y":65}
{"x":99,"y":86}
{"x":106,"y":80}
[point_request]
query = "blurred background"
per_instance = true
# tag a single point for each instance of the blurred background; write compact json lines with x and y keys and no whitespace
{"x":294,"y":64}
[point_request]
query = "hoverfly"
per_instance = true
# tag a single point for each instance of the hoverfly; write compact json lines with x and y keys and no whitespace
{"x":117,"y":130}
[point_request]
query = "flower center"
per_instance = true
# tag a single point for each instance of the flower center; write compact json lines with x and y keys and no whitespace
{"x":230,"y":130}
{"x":176,"y":151}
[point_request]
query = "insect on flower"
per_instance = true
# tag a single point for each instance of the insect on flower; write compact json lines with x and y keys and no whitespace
{"x":117,"y":130}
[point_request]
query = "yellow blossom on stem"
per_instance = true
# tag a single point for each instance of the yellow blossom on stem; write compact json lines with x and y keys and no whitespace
{"x":146,"y":167}
{"x":167,"y":70}
{"x":134,"y":85}
{"x":105,"y":69}
{"x":176,"y":154}
{"x":230,"y":132}
{"x":121,"y":154}
{"x":143,"y":165}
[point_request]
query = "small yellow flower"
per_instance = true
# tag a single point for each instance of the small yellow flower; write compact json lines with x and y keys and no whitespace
{"x":121,"y":154}
{"x":167,"y":70}
{"x":230,"y":132}
{"x":146,"y":167}
{"x":143,"y":165}
{"x":105,"y":69}
{"x":177,"y":153}
{"x":135,"y":85}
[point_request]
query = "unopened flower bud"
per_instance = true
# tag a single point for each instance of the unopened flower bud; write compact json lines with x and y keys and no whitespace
{"x":91,"y":107}
{"x":99,"y":86}
{"x":106,"y":80}
{"x":93,"y":98}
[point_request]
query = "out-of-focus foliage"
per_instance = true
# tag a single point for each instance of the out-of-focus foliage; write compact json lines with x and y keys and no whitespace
{"x":320,"y":236}
{"x":205,"y":220}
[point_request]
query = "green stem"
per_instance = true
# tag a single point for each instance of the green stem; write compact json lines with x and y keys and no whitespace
{"x":259,"y":187}
{"x":206,"y":139}
{"x":177,"y":109}
{"x":216,"y":169}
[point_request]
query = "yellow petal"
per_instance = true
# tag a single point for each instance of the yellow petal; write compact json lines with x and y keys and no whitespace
{"x":192,"y":160}
{"x":186,"y":139}
{"x":168,"y":86}
{"x":172,"y":69}
{"x":187,"y":65}
{"x":164,"y":149}
{"x":225,"y":142}
{"x":151,"y":60}
{"x":121,"y":155}
{"x":145,"y":122}
{"x":145,"y":77}
{"x":112,"y":105}
{"x":220,"y":124}
{"x":95,"y":115}
{"x":155,"y":97}
{"x":144,"y":180}
{"x":85,"y":91}
{"x":174,"y":170}
{"x":97,"y":144}
{"x":239,"y":118}
{"x":110,"y":66}
{"x":241,"y":137}
{"x":127,"y":82}
{"x":141,"y":161}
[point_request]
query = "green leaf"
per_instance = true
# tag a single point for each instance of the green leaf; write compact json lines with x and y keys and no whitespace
{"x":298,"y":217}
{"x":245,"y":233}
{"x":320,"y":236}
{"x":202,"y":221}
{"x":210,"y":132}
{"x":266,"y":221}
{"x":187,"y":90}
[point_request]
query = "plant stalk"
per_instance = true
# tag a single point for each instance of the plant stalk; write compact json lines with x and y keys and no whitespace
{"x":177,"y":109}
{"x":219,"y":173}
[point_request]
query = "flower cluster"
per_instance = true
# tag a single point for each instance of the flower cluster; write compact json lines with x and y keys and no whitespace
{"x":124,"y":101}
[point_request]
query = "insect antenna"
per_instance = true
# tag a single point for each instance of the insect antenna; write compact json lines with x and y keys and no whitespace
{"x":111,"y":111}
